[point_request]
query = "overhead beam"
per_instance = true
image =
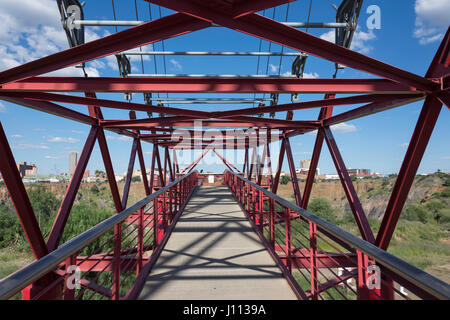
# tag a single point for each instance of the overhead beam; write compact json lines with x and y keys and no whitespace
{"x":271,"y":30}
{"x":208,"y":85}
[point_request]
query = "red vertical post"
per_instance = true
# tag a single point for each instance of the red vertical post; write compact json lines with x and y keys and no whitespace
{"x":140,"y":244}
{"x":362,"y":290}
{"x":69,"y":293}
{"x":155,"y":223}
{"x":261,"y":210}
{"x":272,"y":222}
{"x":313,"y":260}
{"x":287,"y":224}
{"x":117,"y":261}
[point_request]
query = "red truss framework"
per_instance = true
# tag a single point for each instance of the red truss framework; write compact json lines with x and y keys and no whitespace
{"x":23,"y":85}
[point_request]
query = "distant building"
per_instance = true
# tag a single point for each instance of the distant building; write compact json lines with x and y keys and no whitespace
{"x":304,"y":169}
{"x":359,"y":172}
{"x":26,"y":169}
{"x":86,"y":176}
{"x":73,"y":159}
{"x":305,"y":164}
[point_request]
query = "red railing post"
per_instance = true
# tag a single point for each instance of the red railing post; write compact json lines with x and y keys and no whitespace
{"x":313,"y":260}
{"x":116,"y":261}
{"x":140,"y":245}
{"x":362,"y":290}
{"x":288,"y":238}
{"x":69,"y":293}
{"x":261,"y":210}
{"x":272,"y":222}
{"x":155,"y":223}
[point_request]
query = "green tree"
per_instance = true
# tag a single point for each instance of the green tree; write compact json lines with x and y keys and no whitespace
{"x":323,"y":209}
{"x":10,"y":229}
{"x":94,"y":189}
{"x":44,"y":203}
{"x":285,"y":179}
{"x":416,"y":212}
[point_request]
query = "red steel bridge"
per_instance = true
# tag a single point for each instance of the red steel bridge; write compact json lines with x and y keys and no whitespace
{"x":124,"y":257}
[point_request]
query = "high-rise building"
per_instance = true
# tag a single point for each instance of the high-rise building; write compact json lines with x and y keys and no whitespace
{"x":305,"y":164}
{"x":73,"y":158}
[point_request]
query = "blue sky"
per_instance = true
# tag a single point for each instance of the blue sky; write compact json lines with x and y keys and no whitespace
{"x":409,"y":36}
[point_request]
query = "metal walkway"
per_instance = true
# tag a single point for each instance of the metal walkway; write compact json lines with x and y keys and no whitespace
{"x":213,"y":253}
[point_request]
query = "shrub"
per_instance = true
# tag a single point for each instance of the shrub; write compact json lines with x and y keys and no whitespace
{"x":415,"y":212}
{"x":10,"y":229}
{"x":285,"y":179}
{"x":323,"y":209}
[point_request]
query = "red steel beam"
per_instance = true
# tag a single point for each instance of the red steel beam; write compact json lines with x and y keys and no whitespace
{"x":126,"y":187}
{"x":295,"y":186}
{"x":325,"y":113}
{"x":109,"y":170}
{"x":146,"y":33}
{"x":71,"y":192}
{"x":52,"y":108}
{"x":141,"y":157}
{"x":208,"y":85}
{"x":93,"y":101}
{"x":276,"y":179}
{"x":162,"y":179}
{"x":270,"y":30}
{"x":189,"y":121}
{"x":419,"y":141}
{"x":352,"y":197}
{"x":360,"y":112}
{"x":19,"y":198}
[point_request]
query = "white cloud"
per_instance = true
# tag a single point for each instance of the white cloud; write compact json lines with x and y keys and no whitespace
{"x":273,"y":68}
{"x":51,"y":157}
{"x":24,"y":146}
{"x":343,"y":128}
{"x":432,"y":19}
{"x":119,"y":138}
{"x":78,"y":131}
{"x":445,"y":158}
{"x":306,"y":75}
{"x":2,"y":107}
{"x":176,"y":65}
{"x":404,"y":145}
{"x":359,"y":41}
{"x":33,"y":30}
{"x":17,"y":136}
{"x":313,"y":75}
{"x":62,"y":139}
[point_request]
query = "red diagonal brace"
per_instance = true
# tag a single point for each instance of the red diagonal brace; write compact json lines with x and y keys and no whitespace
{"x":352,"y":197}
{"x":324,"y":114}
{"x":67,"y":203}
{"x":19,"y":198}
